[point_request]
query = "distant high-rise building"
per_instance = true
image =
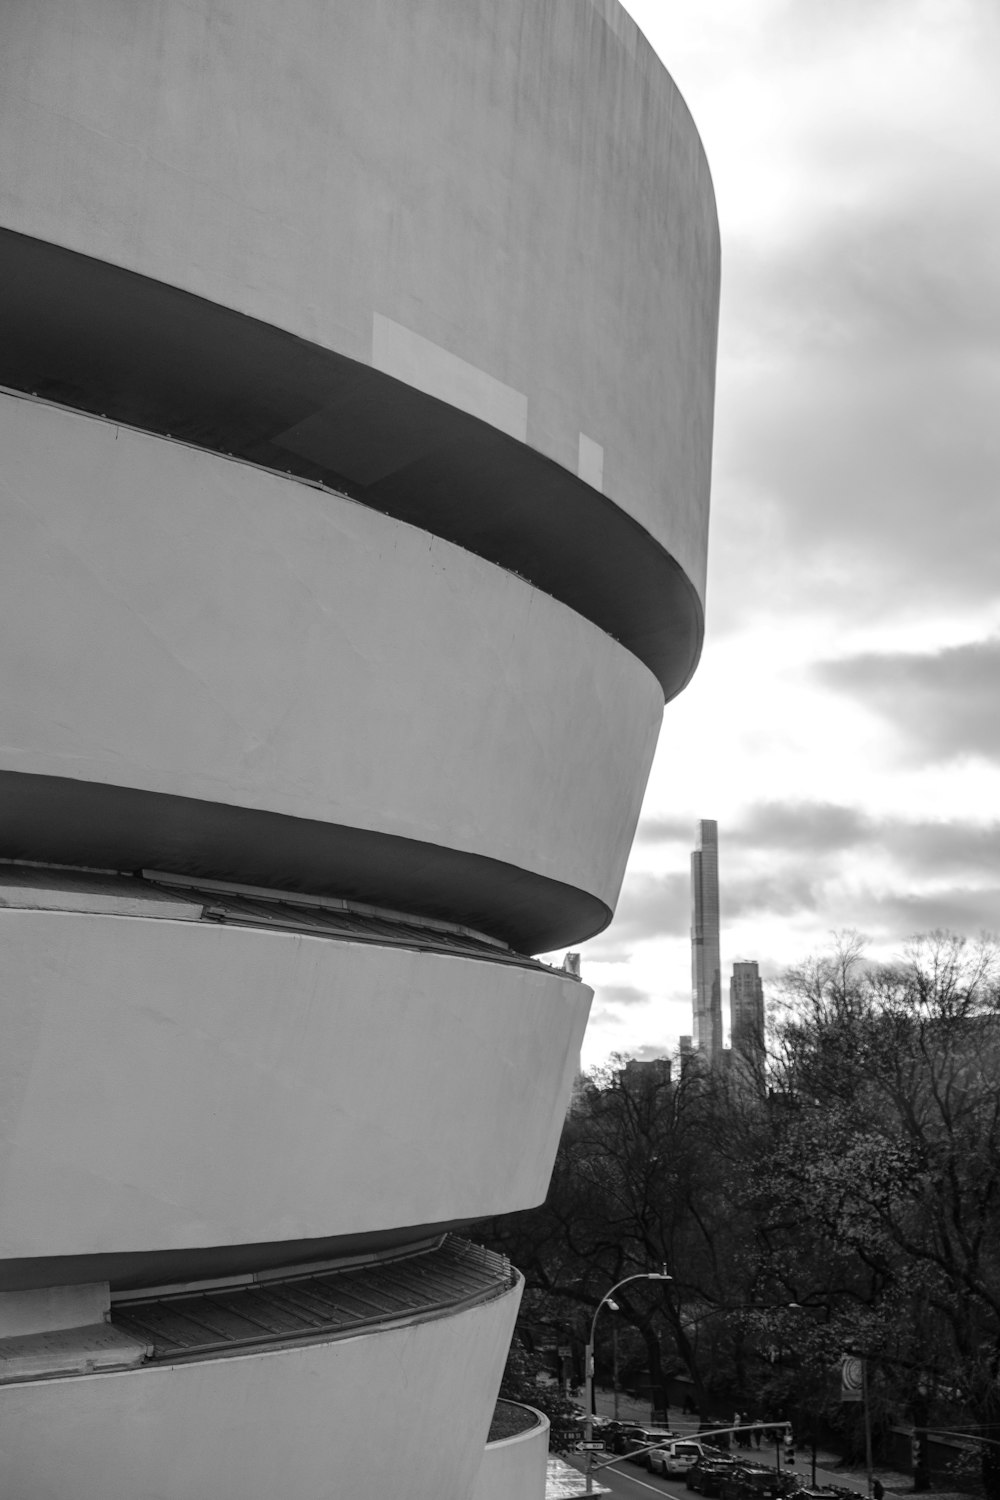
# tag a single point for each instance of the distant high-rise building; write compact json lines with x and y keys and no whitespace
{"x":706,"y":964}
{"x":746,"y":1007}
{"x":686,"y":1056}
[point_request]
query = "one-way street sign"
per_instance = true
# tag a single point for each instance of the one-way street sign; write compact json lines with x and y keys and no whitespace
{"x":590,"y":1448}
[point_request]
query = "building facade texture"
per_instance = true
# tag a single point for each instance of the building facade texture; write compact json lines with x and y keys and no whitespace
{"x":746,"y":1007}
{"x":356,"y":385}
{"x":706,"y":962}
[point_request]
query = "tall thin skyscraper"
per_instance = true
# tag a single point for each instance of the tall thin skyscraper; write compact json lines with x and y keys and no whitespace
{"x":746,"y":1007}
{"x":706,"y":965}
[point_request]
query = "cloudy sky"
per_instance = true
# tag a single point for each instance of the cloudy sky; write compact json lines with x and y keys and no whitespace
{"x":844,"y":725}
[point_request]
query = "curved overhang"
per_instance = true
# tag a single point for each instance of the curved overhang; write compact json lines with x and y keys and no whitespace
{"x":215,"y":670}
{"x":104,"y":340}
{"x":63,"y":821}
{"x":129,"y":1271}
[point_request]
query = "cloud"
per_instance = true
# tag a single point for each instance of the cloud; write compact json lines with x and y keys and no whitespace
{"x":650,"y":1052}
{"x":622,"y":994}
{"x":783,"y":894}
{"x":600,"y":1017}
{"x":821,"y":832}
{"x":944,"y":704}
{"x":969,"y":911}
{"x":946,"y":848}
{"x":855,"y":150}
{"x":788,"y":861}
{"x":856,"y":463}
{"x":857,"y":407}
{"x":813,"y":827}
{"x":891,"y":876}
{"x":650,"y":906}
{"x":666,"y":830}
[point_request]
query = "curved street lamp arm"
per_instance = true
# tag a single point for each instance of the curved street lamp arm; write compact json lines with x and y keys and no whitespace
{"x":589,"y":1357}
{"x":639,"y":1276}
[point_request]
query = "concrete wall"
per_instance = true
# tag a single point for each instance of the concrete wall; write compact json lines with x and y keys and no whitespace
{"x":505,"y":204}
{"x":514,"y":1468}
{"x":404,"y":1412}
{"x":459,"y":261}
{"x":42,"y":1309}
{"x":178,"y":623}
{"x":171,"y":1084}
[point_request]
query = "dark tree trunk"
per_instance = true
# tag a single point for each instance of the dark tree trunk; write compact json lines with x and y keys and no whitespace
{"x":921,"y":1456}
{"x":659,"y":1395}
{"x":990,"y":1469}
{"x":685,"y":1350}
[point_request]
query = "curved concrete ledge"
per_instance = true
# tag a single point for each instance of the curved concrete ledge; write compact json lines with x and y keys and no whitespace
{"x":100,"y":339}
{"x":602,"y":282}
{"x":62,"y":821}
{"x":172,"y":1086}
{"x":296,"y":1422}
{"x":262,"y":646}
{"x":133,"y":1271}
{"x":332,"y":1302}
{"x":515,"y":1466}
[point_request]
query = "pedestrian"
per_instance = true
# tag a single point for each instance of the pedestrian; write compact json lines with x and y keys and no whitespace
{"x":878,"y":1489}
{"x":758,"y":1432}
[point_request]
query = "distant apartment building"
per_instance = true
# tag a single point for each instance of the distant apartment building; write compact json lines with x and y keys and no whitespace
{"x":746,"y":1007}
{"x":647,"y":1074}
{"x":706,"y":984}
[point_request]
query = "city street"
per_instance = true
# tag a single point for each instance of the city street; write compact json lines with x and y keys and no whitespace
{"x":627,"y":1481}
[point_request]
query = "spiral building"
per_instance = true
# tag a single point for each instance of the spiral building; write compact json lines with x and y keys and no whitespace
{"x":357,"y":374}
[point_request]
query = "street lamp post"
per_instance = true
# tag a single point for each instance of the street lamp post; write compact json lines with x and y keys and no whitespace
{"x":589,"y":1362}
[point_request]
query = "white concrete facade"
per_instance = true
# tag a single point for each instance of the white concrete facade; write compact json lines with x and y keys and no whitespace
{"x":224,"y":147}
{"x":160,"y":1039}
{"x":325,"y":1420}
{"x":356,"y":391}
{"x":516,"y":1465}
{"x":253,"y":609}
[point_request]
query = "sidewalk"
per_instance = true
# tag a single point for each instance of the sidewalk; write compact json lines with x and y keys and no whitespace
{"x":563,"y":1482}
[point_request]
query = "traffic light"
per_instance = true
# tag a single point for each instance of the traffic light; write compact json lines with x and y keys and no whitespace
{"x":789,"y":1446}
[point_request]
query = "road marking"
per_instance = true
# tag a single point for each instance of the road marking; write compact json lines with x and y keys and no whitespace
{"x":624,"y":1474}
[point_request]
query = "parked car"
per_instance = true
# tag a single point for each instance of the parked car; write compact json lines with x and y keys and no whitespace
{"x":635,"y":1441}
{"x":705,"y":1476}
{"x":806,"y":1491}
{"x":625,"y":1438}
{"x":674,"y":1458}
{"x":747,"y":1481}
